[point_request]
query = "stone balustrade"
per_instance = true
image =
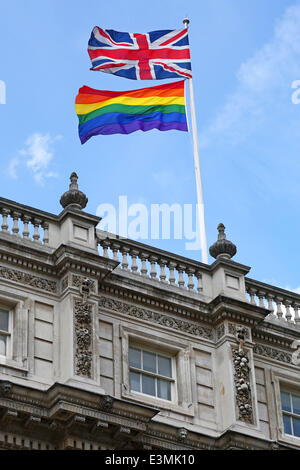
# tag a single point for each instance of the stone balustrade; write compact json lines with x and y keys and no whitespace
{"x":153,"y":263}
{"x":284,"y":305}
{"x":24,"y":222}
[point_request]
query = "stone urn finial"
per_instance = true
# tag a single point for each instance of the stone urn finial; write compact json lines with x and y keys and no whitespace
{"x":222,"y":248}
{"x":74,"y":198}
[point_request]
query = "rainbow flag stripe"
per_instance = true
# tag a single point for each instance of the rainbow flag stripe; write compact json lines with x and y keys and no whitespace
{"x":122,"y":112}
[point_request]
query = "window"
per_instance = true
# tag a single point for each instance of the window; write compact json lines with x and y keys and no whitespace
{"x":150,"y":373}
{"x":290,"y":404}
{"x":5,"y":331}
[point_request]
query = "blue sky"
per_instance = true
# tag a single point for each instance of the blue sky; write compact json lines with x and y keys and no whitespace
{"x":245,"y":56}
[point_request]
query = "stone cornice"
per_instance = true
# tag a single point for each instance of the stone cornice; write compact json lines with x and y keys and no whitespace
{"x":62,"y":410}
{"x":26,"y":399}
{"x":223,"y":307}
{"x":227,"y":263}
{"x":184,"y":326}
{"x":17,"y":263}
{"x":66,"y":257}
{"x":198,"y":311}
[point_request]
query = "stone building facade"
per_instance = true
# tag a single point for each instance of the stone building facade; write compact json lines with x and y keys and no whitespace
{"x":107,"y":343}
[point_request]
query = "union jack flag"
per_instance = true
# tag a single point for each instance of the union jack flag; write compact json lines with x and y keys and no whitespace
{"x":150,"y":56}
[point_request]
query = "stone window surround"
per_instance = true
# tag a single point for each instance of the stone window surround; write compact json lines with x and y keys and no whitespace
{"x":19,"y":327}
{"x":283,"y":382}
{"x":9,"y":333}
{"x":171,"y":380}
{"x":180,"y":351}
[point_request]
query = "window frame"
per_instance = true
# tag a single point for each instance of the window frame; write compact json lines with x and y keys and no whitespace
{"x":290,"y":414}
{"x":171,"y":380}
{"x":285,"y":382}
{"x":8,"y":333}
{"x":180,"y":351}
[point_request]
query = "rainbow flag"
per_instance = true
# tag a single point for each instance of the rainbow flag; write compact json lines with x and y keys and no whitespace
{"x":122,"y":112}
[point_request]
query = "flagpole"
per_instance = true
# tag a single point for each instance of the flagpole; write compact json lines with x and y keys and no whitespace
{"x":203,"y":242}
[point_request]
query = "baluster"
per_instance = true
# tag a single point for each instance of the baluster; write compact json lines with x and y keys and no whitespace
{"x":36,"y":234}
{"x":5,"y":213}
{"x":15,"y":229}
{"x":288,"y":315}
{"x":181,"y":269}
{"x":199,"y":282}
{"x":45,"y":226}
{"x":261,"y":296}
{"x":134,"y":265}
{"x":172,"y":278}
{"x":115,"y":248}
{"x":279,"y":312}
{"x":153,"y":272}
{"x":26,"y":219}
{"x":105,"y":245}
{"x":297,"y":314}
{"x":191,"y":284}
{"x":125,"y":250}
{"x":162,"y":275}
{"x":252,"y":293}
{"x":144,"y":269}
{"x":270,"y":298}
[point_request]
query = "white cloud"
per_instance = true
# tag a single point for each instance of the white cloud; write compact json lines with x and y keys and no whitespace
{"x":38,"y":155}
{"x":261,"y":80}
{"x":12,"y":168}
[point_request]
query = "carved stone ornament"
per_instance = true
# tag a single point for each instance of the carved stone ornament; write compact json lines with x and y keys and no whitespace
{"x":28,"y":279}
{"x":182,"y":434}
{"x":220,"y":331}
{"x":5,"y":388}
{"x":106,"y":402}
{"x":64,"y":283}
{"x":85,"y":284}
{"x":296,"y":354}
{"x":239,"y":331}
{"x":222,"y":248}
{"x":272,"y":353}
{"x":83,"y":338}
{"x":73,"y":197}
{"x":242,"y":385}
{"x":153,"y":317}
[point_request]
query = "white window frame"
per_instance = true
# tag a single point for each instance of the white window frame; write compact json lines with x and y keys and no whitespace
{"x":181,"y":353}
{"x":171,"y":380}
{"x":289,"y":413}
{"x":284,"y":382}
{"x":9,"y":333}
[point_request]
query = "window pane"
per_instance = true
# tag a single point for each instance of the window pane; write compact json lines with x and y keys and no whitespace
{"x":3,"y":345}
{"x":164,"y":389}
{"x":164,"y":366}
{"x":149,"y":362}
{"x":296,"y":404}
{"x":135,"y":382}
{"x":148,"y":385}
{"x":286,"y":401}
{"x":296,"y":426}
{"x":135,"y":358}
{"x":3,"y":320}
{"x":287,"y":424}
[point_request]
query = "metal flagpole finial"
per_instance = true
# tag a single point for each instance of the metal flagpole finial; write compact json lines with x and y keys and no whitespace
{"x":186,"y":22}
